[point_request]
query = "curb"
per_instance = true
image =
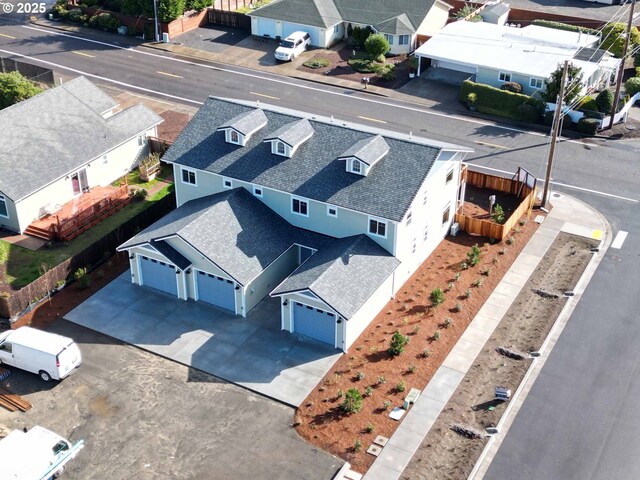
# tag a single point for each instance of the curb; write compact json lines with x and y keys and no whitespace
{"x":538,"y":362}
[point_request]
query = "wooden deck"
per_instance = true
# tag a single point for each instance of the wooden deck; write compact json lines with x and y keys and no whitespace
{"x":80,"y":214}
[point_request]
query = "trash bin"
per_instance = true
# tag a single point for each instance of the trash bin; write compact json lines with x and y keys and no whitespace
{"x":123,"y":30}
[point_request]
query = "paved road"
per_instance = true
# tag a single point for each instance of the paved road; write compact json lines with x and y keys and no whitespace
{"x":579,"y":420}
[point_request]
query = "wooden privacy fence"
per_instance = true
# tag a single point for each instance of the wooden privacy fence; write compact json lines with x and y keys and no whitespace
{"x":488,"y":228}
{"x":230,"y":19}
{"x":93,"y":255}
{"x":158,"y":146}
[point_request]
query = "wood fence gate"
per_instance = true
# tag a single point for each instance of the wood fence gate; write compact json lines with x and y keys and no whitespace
{"x":230,"y":19}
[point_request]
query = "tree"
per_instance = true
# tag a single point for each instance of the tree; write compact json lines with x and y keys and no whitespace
{"x":632,"y":86}
{"x":397,"y":343}
{"x":613,"y":35}
{"x":467,"y":10}
{"x":605,"y":101}
{"x":352,"y":401}
{"x":573,"y":85}
{"x":197,"y":4}
{"x":169,"y":10}
{"x":14,"y":88}
{"x":376,"y":45}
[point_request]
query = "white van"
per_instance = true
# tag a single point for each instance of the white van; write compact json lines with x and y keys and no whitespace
{"x":49,"y":355}
{"x":37,"y":454}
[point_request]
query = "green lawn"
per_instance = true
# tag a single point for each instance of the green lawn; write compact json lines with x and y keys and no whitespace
{"x":133,"y":177}
{"x":23,"y":266}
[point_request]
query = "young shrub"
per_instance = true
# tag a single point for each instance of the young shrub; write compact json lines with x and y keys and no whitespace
{"x":352,"y":401}
{"x":436,"y":296}
{"x":377,"y":46}
{"x":436,"y":335}
{"x":411,"y":369}
{"x":486,"y":271}
{"x":140,"y":194}
{"x":381,"y":380}
{"x":478,"y":282}
{"x":397,"y":344}
{"x":82,"y":278}
{"x":447,"y":322}
{"x":415,"y":330}
{"x":458,"y":307}
{"x":426,"y":353}
{"x":604,"y":100}
{"x":449,"y":286}
{"x":457,"y":276}
{"x":386,"y":404}
{"x":401,"y":387}
{"x":340,"y":393}
{"x":357,"y":445}
{"x":467,"y":293}
{"x":473,"y":256}
{"x":510,"y":241}
{"x":464,"y":266}
{"x":368,"y":391}
{"x":369,"y":428}
{"x":360,"y":375}
{"x":498,"y":214}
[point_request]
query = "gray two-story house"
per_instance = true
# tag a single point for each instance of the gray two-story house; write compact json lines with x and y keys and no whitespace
{"x":330,"y":217}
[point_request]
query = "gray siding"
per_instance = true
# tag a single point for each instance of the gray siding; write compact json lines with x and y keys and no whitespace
{"x":492,"y":77}
{"x":271,"y":277}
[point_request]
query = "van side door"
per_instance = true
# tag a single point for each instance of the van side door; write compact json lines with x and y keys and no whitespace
{"x":6,"y":353}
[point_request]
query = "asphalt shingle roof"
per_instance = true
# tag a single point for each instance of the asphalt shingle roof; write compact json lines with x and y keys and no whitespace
{"x":233,"y":229}
{"x":171,"y":254}
{"x":344,"y":275}
{"x":368,"y":150}
{"x":247,"y":122}
{"x":314,"y":170}
{"x":326,"y":13}
{"x":59,"y":130}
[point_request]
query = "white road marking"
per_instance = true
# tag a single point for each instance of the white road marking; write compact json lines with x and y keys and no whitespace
{"x":619,"y":240}
{"x":597,"y":192}
{"x":479,"y":142}
{"x":308,"y":87}
{"x":264,"y":95}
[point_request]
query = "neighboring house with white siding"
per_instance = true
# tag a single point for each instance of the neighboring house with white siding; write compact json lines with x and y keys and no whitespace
{"x":495,"y":54}
{"x":330,"y":217}
{"x":63,"y":142}
{"x":327,"y":21}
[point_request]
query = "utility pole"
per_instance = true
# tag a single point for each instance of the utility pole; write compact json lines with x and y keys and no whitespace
{"x":554,"y":134}
{"x":155,"y":19}
{"x":616,"y":96}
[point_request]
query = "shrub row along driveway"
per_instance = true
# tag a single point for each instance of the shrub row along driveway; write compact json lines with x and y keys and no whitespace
{"x":145,"y":417}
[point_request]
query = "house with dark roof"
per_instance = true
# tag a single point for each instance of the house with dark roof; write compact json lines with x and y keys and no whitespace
{"x":328,"y":21}
{"x":329,"y":217}
{"x":63,"y":142}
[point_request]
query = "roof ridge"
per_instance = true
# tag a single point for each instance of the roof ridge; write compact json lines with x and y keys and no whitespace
{"x":354,"y":241}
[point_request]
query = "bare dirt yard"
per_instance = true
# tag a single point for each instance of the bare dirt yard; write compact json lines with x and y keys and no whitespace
{"x":446,"y":454}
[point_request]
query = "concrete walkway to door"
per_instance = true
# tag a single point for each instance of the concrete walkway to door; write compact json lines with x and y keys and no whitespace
{"x":252,"y":352}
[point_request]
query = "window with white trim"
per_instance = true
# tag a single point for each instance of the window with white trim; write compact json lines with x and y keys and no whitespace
{"x":356,"y":166}
{"x":449,"y":178}
{"x":536,"y":83}
{"x":257,"y":191}
{"x":4,"y":211}
{"x":504,"y":77}
{"x":227,"y":183}
{"x":299,"y":206}
{"x":409,"y":215}
{"x":389,"y":38}
{"x":280,"y":148}
{"x":189,"y":176}
{"x":332,"y":211}
{"x":378,"y":227}
{"x":234,"y":137}
{"x":445,"y":214}
{"x":403,"y":39}
{"x":413,"y":246}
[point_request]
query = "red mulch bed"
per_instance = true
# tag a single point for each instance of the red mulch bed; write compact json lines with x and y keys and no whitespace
{"x":339,"y":68}
{"x":319,"y":419}
{"x":174,"y":123}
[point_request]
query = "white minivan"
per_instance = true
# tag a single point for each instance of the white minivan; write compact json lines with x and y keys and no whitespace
{"x":49,"y":355}
{"x":292,"y":46}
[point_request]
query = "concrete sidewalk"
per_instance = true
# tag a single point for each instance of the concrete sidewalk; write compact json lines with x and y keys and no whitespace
{"x":568,"y":215}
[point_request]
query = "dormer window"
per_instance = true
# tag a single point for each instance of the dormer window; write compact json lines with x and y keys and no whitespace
{"x":364,"y":154}
{"x":240,"y":128}
{"x":288,"y":138}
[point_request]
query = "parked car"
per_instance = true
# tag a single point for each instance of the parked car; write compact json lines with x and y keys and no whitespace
{"x":49,"y":355}
{"x":293,"y":45}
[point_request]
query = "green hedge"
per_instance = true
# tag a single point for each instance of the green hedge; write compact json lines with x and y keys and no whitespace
{"x":494,"y":101}
{"x":588,"y":126}
{"x":632,"y":86}
{"x":565,"y":26}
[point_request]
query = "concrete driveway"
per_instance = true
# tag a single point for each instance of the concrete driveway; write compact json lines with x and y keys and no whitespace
{"x":145,"y":417}
{"x":252,"y":352}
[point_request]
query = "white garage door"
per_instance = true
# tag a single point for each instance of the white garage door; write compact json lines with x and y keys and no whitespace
{"x":216,"y":291}
{"x":314,"y":323}
{"x":457,"y":67}
{"x":158,"y":275}
{"x":266,"y":26}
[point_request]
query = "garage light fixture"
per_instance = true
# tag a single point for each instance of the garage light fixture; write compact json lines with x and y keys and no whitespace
{"x":285,"y":303}
{"x":132,"y":256}
{"x":188,"y":271}
{"x":237,"y":287}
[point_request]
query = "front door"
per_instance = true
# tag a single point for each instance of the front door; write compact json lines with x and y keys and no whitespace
{"x":79,"y":182}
